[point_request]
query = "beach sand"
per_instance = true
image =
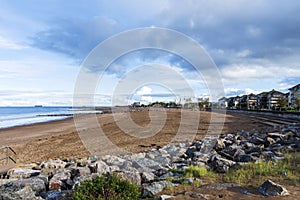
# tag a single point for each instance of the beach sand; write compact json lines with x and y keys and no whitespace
{"x":60,"y":139}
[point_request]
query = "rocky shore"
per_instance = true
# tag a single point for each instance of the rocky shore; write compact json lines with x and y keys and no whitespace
{"x":56,"y":179}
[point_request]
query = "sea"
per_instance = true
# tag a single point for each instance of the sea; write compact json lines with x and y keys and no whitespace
{"x":19,"y":116}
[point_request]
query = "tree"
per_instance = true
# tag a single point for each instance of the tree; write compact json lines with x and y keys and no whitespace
{"x":297,"y":103}
{"x":282,"y":102}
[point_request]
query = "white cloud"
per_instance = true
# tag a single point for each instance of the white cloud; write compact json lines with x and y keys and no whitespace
{"x":9,"y":44}
{"x":144,"y":90}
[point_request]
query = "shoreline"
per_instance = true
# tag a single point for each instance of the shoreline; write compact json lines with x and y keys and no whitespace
{"x":34,"y":123}
{"x":61,"y":139}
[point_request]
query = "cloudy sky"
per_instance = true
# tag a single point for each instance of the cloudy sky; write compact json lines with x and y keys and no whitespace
{"x":254,"y":44}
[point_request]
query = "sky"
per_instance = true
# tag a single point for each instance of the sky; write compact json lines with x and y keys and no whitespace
{"x":255,"y":46}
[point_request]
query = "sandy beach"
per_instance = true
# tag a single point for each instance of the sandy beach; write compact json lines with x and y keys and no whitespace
{"x":60,"y":139}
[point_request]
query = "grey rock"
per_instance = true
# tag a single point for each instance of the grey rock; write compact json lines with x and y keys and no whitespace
{"x":190,"y":151}
{"x":57,"y":195}
{"x":22,"y":173}
{"x":80,"y":171}
{"x":269,"y":188}
{"x":256,"y":140}
{"x":101,"y":167}
{"x":164,"y":161}
{"x":221,"y":165}
{"x":15,"y":191}
{"x":198,"y":196}
{"x":53,"y":164}
{"x":164,"y":197}
{"x":36,"y":184}
{"x":147,"y":177}
{"x":245,"y":192}
{"x":208,"y":144}
{"x":220,"y":144}
{"x":113,"y":160}
{"x":4,"y":181}
{"x":143,"y":163}
{"x":153,"y":188}
{"x":58,"y":181}
{"x":189,"y":181}
{"x":132,"y":177}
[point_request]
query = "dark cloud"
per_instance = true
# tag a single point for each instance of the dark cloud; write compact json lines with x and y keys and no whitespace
{"x":75,"y":37}
{"x":266,"y":29}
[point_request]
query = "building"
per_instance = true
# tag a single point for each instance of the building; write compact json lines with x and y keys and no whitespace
{"x":262,"y":101}
{"x":294,"y":96}
{"x":223,"y":102}
{"x":274,"y":99}
{"x":252,"y":102}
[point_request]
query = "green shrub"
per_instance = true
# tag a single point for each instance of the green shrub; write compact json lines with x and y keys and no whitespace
{"x":105,"y":188}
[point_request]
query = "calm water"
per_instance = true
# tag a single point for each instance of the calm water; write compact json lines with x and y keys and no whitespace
{"x":17,"y":116}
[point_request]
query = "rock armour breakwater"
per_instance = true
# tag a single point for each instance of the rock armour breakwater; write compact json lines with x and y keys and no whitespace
{"x":56,"y":179}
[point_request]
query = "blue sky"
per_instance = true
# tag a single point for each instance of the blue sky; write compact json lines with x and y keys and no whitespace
{"x":255,"y":45}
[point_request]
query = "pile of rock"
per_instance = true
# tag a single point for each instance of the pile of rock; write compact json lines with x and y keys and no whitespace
{"x":56,"y":179}
{"x":231,"y":149}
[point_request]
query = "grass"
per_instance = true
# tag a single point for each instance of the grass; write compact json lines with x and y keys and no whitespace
{"x":286,"y":171}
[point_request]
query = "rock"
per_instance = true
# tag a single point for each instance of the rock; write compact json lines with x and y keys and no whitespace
{"x":22,"y":173}
{"x":244,"y":158}
{"x":189,"y":181}
{"x":246,"y":192}
{"x":37,"y":185}
{"x":53,"y":164}
{"x":219,"y":144}
{"x":198,"y":196}
{"x":83,"y":162}
{"x":151,"y":189}
{"x":269,"y":188}
{"x":57,"y":195}
{"x":100,"y":167}
{"x":80,"y":171}
{"x":147,"y":177}
{"x":201,"y":157}
{"x":143,"y":163}
{"x":132,"y":177}
{"x":208,"y":144}
{"x":113,"y":160}
{"x":15,"y":191}
{"x":164,"y":197}
{"x":58,"y":181}
{"x":256,"y":140}
{"x":255,"y":149}
{"x":221,"y":165}
{"x":4,"y":181}
{"x":190,"y":151}
{"x":269,"y":141}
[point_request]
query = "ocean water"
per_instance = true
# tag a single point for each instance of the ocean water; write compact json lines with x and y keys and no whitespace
{"x":18,"y":116}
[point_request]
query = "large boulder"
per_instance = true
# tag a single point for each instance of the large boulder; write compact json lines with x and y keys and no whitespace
{"x":22,"y":173}
{"x":269,"y":188}
{"x":220,"y":164}
{"x":151,"y":189}
{"x":132,"y":177}
{"x":60,"y":181}
{"x":100,"y":167}
{"x":145,"y":164}
{"x":53,"y":164}
{"x":16,"y":191}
